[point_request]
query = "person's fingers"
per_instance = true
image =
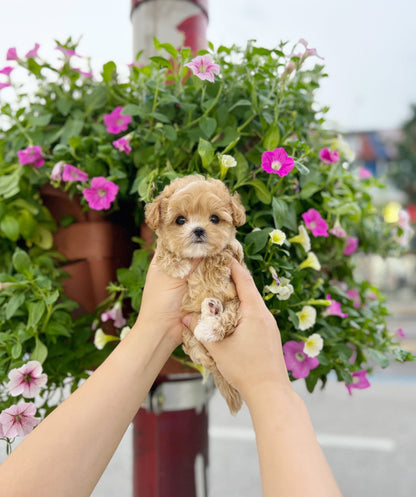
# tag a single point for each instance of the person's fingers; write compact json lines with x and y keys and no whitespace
{"x":244,"y":283}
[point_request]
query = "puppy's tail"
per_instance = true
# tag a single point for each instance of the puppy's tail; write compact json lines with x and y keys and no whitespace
{"x":199,"y":355}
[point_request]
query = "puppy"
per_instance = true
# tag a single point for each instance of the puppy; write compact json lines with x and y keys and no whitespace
{"x":195,"y":218}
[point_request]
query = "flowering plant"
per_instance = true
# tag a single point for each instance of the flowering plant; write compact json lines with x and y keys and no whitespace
{"x":246,"y":116}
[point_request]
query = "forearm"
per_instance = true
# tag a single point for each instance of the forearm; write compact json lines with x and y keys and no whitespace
{"x":291,"y":461}
{"x":67,"y":453}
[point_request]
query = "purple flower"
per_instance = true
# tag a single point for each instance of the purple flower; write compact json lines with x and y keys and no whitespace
{"x":12,"y":54}
{"x":116,"y":314}
{"x":334,"y":309}
{"x":309,"y":51}
{"x":328,"y":157}
{"x":32,"y":54}
{"x":6,"y":70}
{"x":400,"y":333}
{"x":86,"y":74}
{"x":56,"y":173}
{"x":364,"y":173}
{"x":27,"y":380}
{"x":67,"y":51}
{"x":115,"y":122}
{"x":123,"y":144}
{"x":359,"y":380}
{"x":203,"y":67}
{"x":18,"y":420}
{"x":101,"y":193}
{"x":32,"y":156}
{"x":315,"y":222}
{"x":297,"y":361}
{"x":72,"y":173}
{"x":338,"y":231}
{"x":4,"y":85}
{"x":277,"y":162}
{"x":351,"y":246}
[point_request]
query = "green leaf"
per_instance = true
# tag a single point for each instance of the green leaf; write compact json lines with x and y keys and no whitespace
{"x":16,"y":300}
{"x":256,"y":240}
{"x":279,"y":211}
{"x":72,"y":127}
{"x":10,"y":227}
{"x":97,"y":99}
{"x":27,"y":224}
{"x":36,"y":310}
{"x":262,"y":192}
{"x":109,"y":69}
{"x":309,"y":189}
{"x":161,"y":61}
{"x":16,"y":350}
{"x":208,"y":125}
{"x":43,"y":238}
{"x":239,"y":103}
{"x":132,"y":110}
{"x":40,"y":353}
{"x":272,"y":138}
{"x":64,"y":105}
{"x":9,"y":183}
{"x":379,"y":357}
{"x":21,"y":262}
{"x":170,"y":133}
{"x":301,"y":168}
{"x":206,"y":152}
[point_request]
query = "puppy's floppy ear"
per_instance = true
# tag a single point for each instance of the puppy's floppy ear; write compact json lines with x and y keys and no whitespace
{"x":239,"y":213}
{"x":152,"y":213}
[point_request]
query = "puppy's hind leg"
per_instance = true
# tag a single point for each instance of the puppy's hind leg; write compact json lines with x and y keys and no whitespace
{"x":208,"y":328}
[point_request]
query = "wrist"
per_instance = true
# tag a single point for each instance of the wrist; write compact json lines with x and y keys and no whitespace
{"x":269,"y":393}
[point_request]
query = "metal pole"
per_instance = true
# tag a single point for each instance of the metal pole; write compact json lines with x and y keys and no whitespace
{"x":170,"y":441}
{"x":179,"y":22}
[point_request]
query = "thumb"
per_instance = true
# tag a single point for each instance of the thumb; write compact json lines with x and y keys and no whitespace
{"x":190,"y":321}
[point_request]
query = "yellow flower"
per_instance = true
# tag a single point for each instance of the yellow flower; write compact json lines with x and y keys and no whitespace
{"x":302,"y":238}
{"x":310,"y":261}
{"x":283,"y":290}
{"x":313,"y":345}
{"x":307,"y":317}
{"x":277,"y":237}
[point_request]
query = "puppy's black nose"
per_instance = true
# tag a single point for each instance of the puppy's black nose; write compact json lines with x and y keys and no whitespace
{"x":199,"y":232}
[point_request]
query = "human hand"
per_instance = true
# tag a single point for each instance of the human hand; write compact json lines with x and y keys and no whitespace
{"x":252,"y":356}
{"x":161,"y":302}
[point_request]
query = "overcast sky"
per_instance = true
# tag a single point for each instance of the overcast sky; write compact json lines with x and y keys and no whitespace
{"x":369,"y":45}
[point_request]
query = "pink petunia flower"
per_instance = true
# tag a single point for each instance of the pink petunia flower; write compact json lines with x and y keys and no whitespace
{"x":86,"y":74}
{"x":4,"y":85}
{"x":328,"y":157}
{"x":338,"y":231}
{"x":115,"y":122}
{"x":351,"y":246}
{"x":101,"y":193}
{"x":68,"y":52}
{"x":277,"y":162}
{"x":315,"y":222}
{"x":123,"y":144}
{"x":297,"y":361}
{"x":32,"y":54}
{"x":72,"y":173}
{"x":19,"y":420}
{"x":359,"y":380}
{"x":12,"y":54}
{"x":309,"y":52}
{"x":57,"y":170}
{"x":335,"y":308}
{"x":27,"y":380}
{"x":354,"y":295}
{"x":116,"y":314}
{"x":400,"y":333}
{"x":364,"y":173}
{"x":32,"y":156}
{"x":6,"y":70}
{"x":203,"y":67}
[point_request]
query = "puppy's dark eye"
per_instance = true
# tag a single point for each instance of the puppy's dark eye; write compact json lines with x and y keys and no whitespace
{"x":214,"y":219}
{"x":180,"y":220}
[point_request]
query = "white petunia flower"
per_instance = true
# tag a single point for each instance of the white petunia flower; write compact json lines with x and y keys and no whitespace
{"x":311,"y":261}
{"x":313,"y":345}
{"x":227,"y":161}
{"x":124,"y":332}
{"x":307,"y":317}
{"x":302,"y":238}
{"x":100,"y":339}
{"x":277,"y":237}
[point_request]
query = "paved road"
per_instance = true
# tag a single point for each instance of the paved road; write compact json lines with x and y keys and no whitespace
{"x":369,"y":438}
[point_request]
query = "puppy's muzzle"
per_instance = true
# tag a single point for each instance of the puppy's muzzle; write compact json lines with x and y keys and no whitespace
{"x":199,"y":235}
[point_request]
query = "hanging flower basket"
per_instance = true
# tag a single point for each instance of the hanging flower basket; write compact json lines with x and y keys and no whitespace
{"x":111,"y":143}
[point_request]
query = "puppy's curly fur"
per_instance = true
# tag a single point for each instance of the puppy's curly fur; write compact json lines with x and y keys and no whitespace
{"x":195,"y":218}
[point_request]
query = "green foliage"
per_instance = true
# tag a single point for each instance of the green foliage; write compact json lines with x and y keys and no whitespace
{"x":263,"y":99}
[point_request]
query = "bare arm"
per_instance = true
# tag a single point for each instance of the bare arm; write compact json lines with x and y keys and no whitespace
{"x":67,"y":453}
{"x":292,"y":463}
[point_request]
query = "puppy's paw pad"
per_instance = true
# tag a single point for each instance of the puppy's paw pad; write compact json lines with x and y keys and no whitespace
{"x":212,"y":306}
{"x":204,"y":332}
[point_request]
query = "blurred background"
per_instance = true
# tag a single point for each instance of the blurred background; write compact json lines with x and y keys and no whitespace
{"x":370,"y":58}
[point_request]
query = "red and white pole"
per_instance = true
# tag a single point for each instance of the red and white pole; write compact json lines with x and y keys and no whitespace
{"x":178,"y":22}
{"x":170,"y":437}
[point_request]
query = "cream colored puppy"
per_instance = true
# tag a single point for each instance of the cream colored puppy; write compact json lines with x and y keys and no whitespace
{"x":195,"y":218}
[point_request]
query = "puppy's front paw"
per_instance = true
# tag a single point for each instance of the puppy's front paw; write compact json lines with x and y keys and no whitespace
{"x":205,"y":331}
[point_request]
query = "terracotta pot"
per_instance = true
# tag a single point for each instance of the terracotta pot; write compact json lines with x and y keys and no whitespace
{"x":95,"y":248}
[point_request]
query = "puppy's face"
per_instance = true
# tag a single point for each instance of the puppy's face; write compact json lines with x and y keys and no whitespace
{"x":198,"y":219}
